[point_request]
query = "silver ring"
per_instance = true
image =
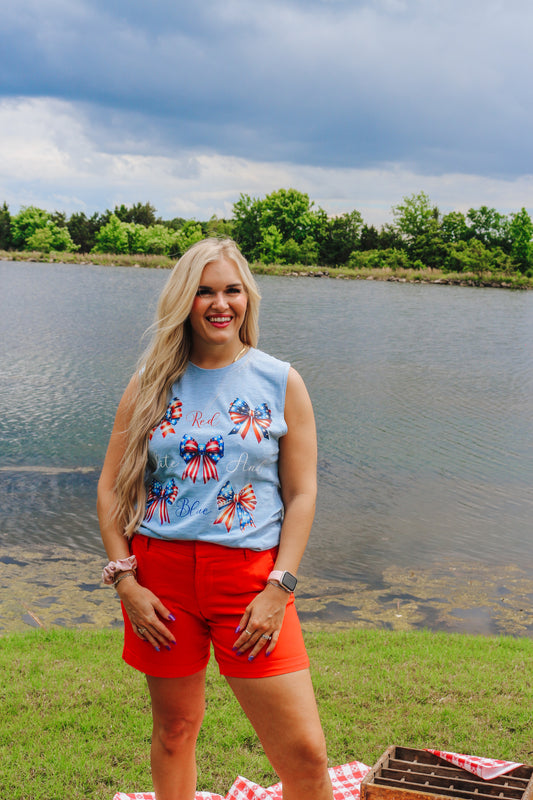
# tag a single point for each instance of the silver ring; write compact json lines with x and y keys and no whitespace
{"x":264,"y":636}
{"x":141,"y":631}
{"x":247,"y":631}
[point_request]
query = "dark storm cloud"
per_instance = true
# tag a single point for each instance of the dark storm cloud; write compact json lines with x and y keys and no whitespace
{"x":436,"y":86}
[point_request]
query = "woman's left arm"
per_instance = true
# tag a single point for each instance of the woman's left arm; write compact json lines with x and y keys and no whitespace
{"x":297,"y":474}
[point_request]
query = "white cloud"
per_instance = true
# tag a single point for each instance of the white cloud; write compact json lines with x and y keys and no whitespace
{"x":51,"y":157}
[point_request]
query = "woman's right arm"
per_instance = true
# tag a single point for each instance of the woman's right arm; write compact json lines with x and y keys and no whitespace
{"x":143,"y":608}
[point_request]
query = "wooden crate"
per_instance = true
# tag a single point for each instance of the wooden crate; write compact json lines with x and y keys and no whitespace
{"x":406,"y":774}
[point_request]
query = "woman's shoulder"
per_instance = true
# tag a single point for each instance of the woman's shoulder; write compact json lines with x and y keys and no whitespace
{"x":260,"y":358}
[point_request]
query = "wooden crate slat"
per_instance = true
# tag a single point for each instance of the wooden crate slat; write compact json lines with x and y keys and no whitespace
{"x":404,"y":773}
{"x":444,"y":785}
{"x":440,"y":791}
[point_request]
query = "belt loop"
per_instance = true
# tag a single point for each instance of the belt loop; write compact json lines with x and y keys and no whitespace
{"x":245,"y":554}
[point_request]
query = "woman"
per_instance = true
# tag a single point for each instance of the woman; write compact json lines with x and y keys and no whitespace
{"x":205,"y":501}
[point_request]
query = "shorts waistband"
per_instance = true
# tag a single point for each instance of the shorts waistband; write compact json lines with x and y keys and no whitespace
{"x":198,"y":549}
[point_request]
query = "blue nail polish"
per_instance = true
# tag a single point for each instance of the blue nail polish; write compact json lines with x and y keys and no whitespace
{"x":268,"y":654}
{"x":172,"y":618}
{"x":167,"y":647}
{"x":237,"y":629}
{"x":250,"y":658}
{"x":157,"y":648}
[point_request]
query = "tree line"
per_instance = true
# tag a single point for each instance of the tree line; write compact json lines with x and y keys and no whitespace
{"x":285,"y":227}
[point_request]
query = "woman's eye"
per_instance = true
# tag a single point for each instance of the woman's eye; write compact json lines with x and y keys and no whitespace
{"x":203,"y":292}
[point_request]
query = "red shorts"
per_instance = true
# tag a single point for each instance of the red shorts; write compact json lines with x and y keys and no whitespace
{"x":207,"y":588}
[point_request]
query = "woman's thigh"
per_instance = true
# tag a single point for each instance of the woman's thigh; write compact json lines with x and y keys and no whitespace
{"x":283,"y":712}
{"x":177,"y":701}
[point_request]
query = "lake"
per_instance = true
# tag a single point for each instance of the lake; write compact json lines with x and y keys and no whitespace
{"x":423,"y":396}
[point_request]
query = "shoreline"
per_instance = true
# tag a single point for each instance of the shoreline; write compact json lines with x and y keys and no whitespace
{"x":57,"y":587}
{"x":515,"y":281}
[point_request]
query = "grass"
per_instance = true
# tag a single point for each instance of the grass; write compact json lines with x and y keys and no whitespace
{"x":76,"y":720}
{"x":508,"y":281}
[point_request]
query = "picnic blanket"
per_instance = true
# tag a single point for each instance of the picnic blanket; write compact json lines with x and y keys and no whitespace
{"x":346,"y":779}
{"x":486,"y":768}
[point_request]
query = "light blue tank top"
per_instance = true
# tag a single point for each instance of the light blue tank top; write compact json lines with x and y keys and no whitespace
{"x":214,"y":456}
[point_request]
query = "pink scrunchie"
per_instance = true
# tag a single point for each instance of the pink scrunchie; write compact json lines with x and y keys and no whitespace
{"x":108,"y":572}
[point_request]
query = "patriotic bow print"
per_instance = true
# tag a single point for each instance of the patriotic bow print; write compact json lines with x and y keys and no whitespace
{"x":244,"y":417}
{"x":159,"y":498}
{"x":228,"y":502}
{"x":208,"y":455}
{"x":169,"y":421}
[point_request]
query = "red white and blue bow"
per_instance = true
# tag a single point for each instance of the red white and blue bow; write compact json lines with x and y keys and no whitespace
{"x":169,"y":421}
{"x":159,"y":498}
{"x":208,"y":455}
{"x":243,"y":503}
{"x":244,"y":417}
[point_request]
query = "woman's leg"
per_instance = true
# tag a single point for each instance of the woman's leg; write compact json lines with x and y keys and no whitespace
{"x":178,"y":706}
{"x":283,"y":712}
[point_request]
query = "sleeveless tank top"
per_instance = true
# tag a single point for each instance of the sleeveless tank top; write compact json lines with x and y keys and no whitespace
{"x":213,"y":458}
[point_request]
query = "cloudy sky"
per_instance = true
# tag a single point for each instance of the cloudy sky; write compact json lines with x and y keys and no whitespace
{"x":187,"y":104}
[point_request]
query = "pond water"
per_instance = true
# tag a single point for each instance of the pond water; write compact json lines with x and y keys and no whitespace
{"x":423,"y":397}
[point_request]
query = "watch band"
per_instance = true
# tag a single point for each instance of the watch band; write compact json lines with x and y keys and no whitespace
{"x":285,"y":579}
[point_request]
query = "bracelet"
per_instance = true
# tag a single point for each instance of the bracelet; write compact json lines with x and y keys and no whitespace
{"x":275,"y":583}
{"x":123,"y":564}
{"x":121,"y":577}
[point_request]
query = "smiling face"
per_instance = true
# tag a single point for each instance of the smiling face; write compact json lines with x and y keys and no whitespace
{"x":219,"y":308}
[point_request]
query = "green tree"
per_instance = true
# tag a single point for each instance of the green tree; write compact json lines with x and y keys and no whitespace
{"x":51,"y":237}
{"x":219,"y":228}
{"x":489,"y":227}
{"x":343,"y":236}
{"x":521,"y":234}
{"x":271,"y":246}
{"x":414,"y":216}
{"x":247,"y":224}
{"x":290,"y":212}
{"x":112,"y":237}
{"x":83,"y":229}
{"x":453,"y":227}
{"x":5,"y":227}
{"x":189,"y":233}
{"x":25,"y":223}
{"x":139,"y":214}
{"x":156,"y":240}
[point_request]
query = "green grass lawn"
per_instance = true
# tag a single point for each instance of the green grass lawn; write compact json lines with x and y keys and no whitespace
{"x":76,"y":721}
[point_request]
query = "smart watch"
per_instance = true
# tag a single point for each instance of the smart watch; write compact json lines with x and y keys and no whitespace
{"x":285,"y":579}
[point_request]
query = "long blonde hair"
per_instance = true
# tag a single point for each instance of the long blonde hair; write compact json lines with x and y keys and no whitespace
{"x":166,"y":359}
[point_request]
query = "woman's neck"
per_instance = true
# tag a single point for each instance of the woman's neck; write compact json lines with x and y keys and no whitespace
{"x":215,"y":358}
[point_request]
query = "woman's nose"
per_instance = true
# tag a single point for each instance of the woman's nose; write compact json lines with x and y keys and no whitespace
{"x":219,"y":300}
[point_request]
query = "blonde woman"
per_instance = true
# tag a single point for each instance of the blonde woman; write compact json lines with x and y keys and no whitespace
{"x":205,"y":501}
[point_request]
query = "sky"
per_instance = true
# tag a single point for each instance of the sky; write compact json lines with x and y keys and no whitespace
{"x":186,"y":105}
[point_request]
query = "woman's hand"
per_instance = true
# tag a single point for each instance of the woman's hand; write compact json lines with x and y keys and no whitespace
{"x":260,"y":625}
{"x":145,"y":611}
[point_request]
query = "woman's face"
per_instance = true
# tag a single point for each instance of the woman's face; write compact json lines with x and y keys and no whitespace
{"x":220,"y":304}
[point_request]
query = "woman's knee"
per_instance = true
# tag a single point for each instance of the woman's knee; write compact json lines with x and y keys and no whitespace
{"x":307,"y":757}
{"x":177,"y":732}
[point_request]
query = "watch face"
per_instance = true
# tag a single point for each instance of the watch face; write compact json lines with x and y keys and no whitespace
{"x":289,"y":581}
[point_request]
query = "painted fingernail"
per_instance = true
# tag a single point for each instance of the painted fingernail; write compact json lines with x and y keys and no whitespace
{"x":172,"y":618}
{"x":268,"y":654}
{"x":237,"y":629}
{"x":157,"y":648}
{"x":250,"y":658}
{"x":167,"y":647}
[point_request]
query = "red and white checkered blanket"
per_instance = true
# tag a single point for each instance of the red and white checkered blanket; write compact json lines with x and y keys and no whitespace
{"x":346,"y":779}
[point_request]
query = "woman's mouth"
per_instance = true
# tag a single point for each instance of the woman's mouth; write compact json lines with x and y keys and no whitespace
{"x":220,"y":321}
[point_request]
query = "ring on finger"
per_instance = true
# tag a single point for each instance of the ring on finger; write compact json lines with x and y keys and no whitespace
{"x":141,"y":631}
{"x":264,"y":636}
{"x":247,"y":631}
